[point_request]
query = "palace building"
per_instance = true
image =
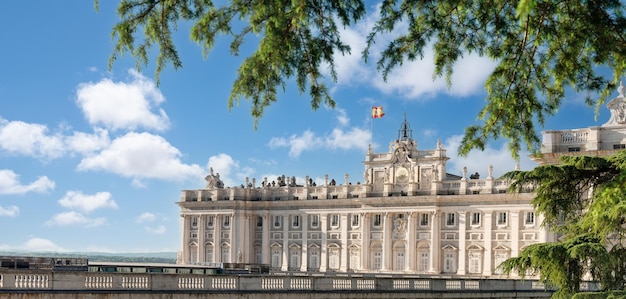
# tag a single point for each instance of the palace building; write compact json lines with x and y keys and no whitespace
{"x":408,"y":216}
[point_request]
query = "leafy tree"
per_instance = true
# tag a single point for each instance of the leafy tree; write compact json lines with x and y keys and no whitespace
{"x":541,"y":48}
{"x":584,"y":201}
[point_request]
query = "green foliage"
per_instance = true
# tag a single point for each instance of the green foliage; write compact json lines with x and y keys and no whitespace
{"x":541,"y":48}
{"x":296,"y":38}
{"x":582,"y":199}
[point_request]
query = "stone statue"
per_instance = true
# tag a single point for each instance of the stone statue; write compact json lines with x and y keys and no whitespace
{"x":617,"y":107}
{"x":213,"y":180}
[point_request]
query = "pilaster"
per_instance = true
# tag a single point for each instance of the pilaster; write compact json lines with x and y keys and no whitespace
{"x":285,"y":263}
{"x":344,"y":243}
{"x":488,"y":243}
{"x":324,"y":246}
{"x":462,"y":242}
{"x":304,"y":257}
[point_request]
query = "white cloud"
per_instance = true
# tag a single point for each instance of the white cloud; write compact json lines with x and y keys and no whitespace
{"x":479,"y":161}
{"x":354,"y":138}
{"x":87,"y":203}
{"x":10,"y":211}
{"x":35,"y":140}
{"x":10,"y":184}
{"x":141,"y":155}
{"x":27,"y":139}
{"x":85,"y":143}
{"x":157,"y":230}
{"x":121,"y":105}
{"x":412,"y":79}
{"x":74,"y":218}
{"x":146,"y":217}
{"x":39,"y":244}
{"x":297,"y":144}
{"x":342,"y":116}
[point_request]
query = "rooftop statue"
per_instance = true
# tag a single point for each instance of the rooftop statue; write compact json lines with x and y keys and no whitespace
{"x":213,"y":181}
{"x":617,"y":106}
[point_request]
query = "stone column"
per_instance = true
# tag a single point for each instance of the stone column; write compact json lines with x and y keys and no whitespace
{"x":365,"y":241}
{"x":324,"y":246}
{"x":185,"y":236}
{"x":487,"y":244}
{"x":543,"y":233}
{"x":462,"y":245}
{"x":387,"y":250}
{"x":304,"y":257}
{"x":435,"y":242}
{"x":285,"y":263}
{"x":265,"y":240}
{"x":343,"y":266}
{"x":201,"y":239}
{"x":514,"y":233}
{"x":217,"y":249}
{"x":233,"y":240}
{"x":411,"y":242}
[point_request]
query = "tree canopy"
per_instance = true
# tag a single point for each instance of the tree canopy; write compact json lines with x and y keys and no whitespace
{"x":583,"y":200}
{"x":541,"y":48}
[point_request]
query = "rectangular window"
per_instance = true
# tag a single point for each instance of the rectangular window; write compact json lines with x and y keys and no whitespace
{"x":424,"y":219}
{"x":334,"y":220}
{"x":315,"y":221}
{"x":226,"y":220}
{"x":573,"y":149}
{"x":194,"y":221}
{"x":378,"y":220}
{"x":295,"y":221}
{"x":619,"y":146}
{"x":502,"y":218}
{"x":259,"y":221}
{"x":476,"y":218}
{"x":355,"y":220}
{"x":529,"y":218}
{"x":277,"y":220}
{"x":209,"y":221}
{"x":450,"y":219}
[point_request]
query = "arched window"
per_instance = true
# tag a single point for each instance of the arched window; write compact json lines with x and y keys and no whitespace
{"x":276,"y":257}
{"x":501,"y":254}
{"x":294,"y":258}
{"x":449,"y":259}
{"x":314,"y":258}
{"x":193,"y":253}
{"x":423,"y":257}
{"x":376,"y":256}
{"x":399,"y":257}
{"x":208,"y":257}
{"x":334,"y":257}
{"x":355,"y":257}
{"x":226,"y":253}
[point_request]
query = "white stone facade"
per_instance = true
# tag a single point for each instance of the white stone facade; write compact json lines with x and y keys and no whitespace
{"x":593,"y":141}
{"x":408,"y":216}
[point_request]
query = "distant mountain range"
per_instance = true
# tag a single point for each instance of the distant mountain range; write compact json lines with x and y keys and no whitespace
{"x":144,"y":257}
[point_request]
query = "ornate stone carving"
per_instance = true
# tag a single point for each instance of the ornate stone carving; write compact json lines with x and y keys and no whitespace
{"x":617,"y":107}
{"x":213,"y":181}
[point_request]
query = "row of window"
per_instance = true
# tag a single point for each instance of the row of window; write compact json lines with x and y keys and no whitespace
{"x":424,"y":218}
{"x":475,"y":259}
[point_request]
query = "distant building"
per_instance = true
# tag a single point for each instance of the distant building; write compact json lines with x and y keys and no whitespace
{"x":407,"y":216}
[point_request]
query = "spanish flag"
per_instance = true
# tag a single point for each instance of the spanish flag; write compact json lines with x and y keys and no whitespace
{"x":377,"y":112}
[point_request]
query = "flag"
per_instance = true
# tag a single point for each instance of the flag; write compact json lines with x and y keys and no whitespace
{"x":377,"y":112}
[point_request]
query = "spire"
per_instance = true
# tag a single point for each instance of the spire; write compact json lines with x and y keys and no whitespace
{"x":405,"y":132}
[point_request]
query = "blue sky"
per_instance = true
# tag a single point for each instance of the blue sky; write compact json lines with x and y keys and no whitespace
{"x":94,"y":160}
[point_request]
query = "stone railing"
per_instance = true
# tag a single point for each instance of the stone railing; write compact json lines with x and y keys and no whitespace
{"x":452,"y":187}
{"x":570,"y":140}
{"x":16,"y":280}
